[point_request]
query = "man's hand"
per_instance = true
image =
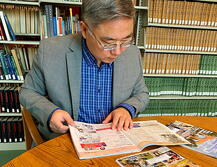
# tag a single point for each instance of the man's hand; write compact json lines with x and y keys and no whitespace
{"x":59,"y":121}
{"x":121,"y":119}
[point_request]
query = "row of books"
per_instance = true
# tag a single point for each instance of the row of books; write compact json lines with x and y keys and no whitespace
{"x":181,"y":86}
{"x":25,"y":57}
{"x":11,"y":129}
{"x":59,"y":21}
{"x":180,"y":39}
{"x":158,"y":63}
{"x":23,"y":19}
{"x":15,"y":63}
{"x":182,"y":12}
{"x":9,"y":99}
{"x":181,"y":108}
{"x":6,"y":31}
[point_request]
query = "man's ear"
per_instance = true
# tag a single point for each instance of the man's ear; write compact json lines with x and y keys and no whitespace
{"x":84,"y":29}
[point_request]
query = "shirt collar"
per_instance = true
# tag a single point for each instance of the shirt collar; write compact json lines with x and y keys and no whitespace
{"x":89,"y":58}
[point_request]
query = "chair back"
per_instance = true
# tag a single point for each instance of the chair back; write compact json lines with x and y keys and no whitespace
{"x":30,"y":130}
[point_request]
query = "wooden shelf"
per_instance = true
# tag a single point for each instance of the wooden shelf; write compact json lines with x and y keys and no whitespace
{"x":181,"y":26}
{"x":141,"y":7}
{"x":141,"y":47}
{"x":60,"y":2}
{"x":206,"y":0}
{"x":11,"y":81}
{"x":34,"y":35}
{"x":13,"y":146}
{"x":10,"y":114}
{"x":180,"y":76}
{"x":19,"y":2}
{"x":80,"y":3}
{"x":180,"y":52}
{"x":183,"y":97}
{"x":20,"y":42}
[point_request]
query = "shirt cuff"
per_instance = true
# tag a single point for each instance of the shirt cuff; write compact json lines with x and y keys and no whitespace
{"x":49,"y":117}
{"x":129,"y":108}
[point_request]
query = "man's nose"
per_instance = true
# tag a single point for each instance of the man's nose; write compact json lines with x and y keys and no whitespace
{"x":118,"y":50}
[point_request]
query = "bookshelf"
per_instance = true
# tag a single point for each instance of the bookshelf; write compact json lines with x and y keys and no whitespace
{"x":23,"y":17}
{"x":185,"y":18}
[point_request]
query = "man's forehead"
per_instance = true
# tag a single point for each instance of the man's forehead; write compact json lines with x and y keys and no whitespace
{"x":115,"y":29}
{"x":107,"y":38}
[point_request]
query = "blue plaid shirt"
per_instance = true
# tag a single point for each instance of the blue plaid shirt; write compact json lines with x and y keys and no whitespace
{"x":96,"y":89}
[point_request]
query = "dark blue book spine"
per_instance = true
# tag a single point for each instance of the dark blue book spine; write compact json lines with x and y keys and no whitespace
{"x":55,"y":26}
{"x":4,"y":67}
{"x":11,"y":32}
{"x":47,"y":20}
{"x":50,"y":11}
{"x":15,"y":74}
{"x":10,"y":70}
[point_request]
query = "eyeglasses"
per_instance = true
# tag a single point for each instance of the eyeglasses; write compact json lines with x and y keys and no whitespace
{"x":110,"y":47}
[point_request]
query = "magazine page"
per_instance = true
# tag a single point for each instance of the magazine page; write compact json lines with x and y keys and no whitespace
{"x":201,"y":140}
{"x":162,"y":156}
{"x":95,"y":140}
{"x":153,"y":133}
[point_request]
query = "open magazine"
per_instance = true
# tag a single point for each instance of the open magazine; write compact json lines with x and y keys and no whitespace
{"x":96,"y":140}
{"x":162,"y":156}
{"x":203,"y":141}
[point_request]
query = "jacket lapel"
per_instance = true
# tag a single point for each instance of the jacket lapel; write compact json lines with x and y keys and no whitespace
{"x":73,"y":59}
{"x":118,"y":79}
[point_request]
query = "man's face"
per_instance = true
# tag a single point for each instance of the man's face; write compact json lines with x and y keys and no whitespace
{"x":109,"y":39}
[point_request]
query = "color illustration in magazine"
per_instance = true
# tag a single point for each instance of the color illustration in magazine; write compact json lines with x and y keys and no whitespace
{"x":160,"y":157}
{"x":203,"y":141}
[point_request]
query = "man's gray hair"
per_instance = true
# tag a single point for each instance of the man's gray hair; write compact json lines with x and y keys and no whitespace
{"x":95,"y":12}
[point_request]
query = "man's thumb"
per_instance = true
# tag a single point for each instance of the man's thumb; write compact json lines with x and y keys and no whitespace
{"x":69,"y":120}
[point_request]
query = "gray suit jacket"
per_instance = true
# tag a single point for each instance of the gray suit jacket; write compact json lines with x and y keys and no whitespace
{"x":54,"y":80}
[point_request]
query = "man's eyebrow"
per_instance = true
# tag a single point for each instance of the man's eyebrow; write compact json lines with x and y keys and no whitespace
{"x":112,"y":39}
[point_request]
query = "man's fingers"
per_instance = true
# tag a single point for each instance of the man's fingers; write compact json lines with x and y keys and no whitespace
{"x":121,"y":123}
{"x":126,"y":124}
{"x":107,"y":119}
{"x":115,"y":122}
{"x":131,"y":124}
{"x":60,"y":120}
{"x":69,"y":120}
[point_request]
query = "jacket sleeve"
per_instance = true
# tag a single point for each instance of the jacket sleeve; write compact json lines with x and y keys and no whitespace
{"x":139,"y":97}
{"x":33,"y":93}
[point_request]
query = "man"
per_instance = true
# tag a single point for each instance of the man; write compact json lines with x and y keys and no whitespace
{"x":95,"y":77}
